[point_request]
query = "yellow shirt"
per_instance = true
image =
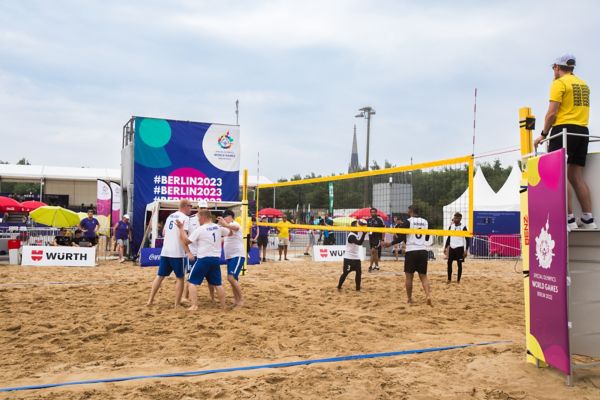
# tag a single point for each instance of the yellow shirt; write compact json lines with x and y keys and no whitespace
{"x":284,"y":229}
{"x":573,"y":94}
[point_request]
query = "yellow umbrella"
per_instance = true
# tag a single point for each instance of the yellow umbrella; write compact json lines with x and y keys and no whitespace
{"x":343,"y":221}
{"x":57,"y":217}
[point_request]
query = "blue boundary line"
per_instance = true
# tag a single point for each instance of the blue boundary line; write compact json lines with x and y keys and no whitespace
{"x":252,"y":367}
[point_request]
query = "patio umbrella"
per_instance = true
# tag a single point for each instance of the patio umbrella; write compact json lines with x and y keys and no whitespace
{"x":8,"y":204}
{"x":343,"y":221}
{"x":270,"y":212}
{"x":57,"y":217}
{"x":366,"y":213}
{"x":31,"y":205}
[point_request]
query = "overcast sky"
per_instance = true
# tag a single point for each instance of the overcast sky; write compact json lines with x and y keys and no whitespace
{"x":73,"y":72}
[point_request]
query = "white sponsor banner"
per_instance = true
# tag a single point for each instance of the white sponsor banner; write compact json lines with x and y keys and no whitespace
{"x":333,"y":253}
{"x":273,"y":243}
{"x":50,"y":256}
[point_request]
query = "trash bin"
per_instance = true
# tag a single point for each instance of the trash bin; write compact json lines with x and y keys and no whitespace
{"x":14,"y":245}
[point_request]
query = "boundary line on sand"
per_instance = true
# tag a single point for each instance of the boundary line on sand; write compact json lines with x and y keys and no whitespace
{"x":253,"y":367}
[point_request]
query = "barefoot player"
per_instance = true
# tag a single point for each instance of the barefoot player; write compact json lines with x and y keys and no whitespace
{"x":233,"y":246}
{"x":208,"y":241}
{"x":352,"y":257}
{"x":173,"y":253}
{"x":416,"y":257}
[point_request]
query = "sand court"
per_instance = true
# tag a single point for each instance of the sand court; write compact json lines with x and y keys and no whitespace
{"x":70,"y":324}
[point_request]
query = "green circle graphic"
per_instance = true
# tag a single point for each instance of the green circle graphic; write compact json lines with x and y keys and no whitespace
{"x":155,"y":132}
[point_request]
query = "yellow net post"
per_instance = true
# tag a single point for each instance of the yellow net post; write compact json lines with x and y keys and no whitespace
{"x":244,"y":218}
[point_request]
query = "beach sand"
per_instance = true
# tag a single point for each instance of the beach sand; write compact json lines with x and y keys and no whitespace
{"x":64,"y":324}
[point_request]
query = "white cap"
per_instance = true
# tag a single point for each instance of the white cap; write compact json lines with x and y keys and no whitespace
{"x":566,"y":60}
{"x":202,"y":204}
{"x":126,"y":216}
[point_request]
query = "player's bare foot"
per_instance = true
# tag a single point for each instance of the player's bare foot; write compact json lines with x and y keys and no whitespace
{"x":184,"y":300}
{"x":193,"y":308}
{"x":149,"y":303}
{"x":409,"y":302}
{"x":239,"y":304}
{"x":429,"y":303}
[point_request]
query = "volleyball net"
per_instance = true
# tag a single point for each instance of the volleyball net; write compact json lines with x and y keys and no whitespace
{"x":438,"y":189}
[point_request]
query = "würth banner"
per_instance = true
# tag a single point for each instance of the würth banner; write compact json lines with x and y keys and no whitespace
{"x":50,"y":256}
{"x":332,"y":253}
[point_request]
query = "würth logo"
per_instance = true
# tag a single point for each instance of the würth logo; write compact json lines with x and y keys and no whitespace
{"x":324,"y":253}
{"x":37,"y":255}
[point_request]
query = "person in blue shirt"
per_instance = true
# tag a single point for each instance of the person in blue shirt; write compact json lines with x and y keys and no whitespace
{"x":90,"y":226}
{"x":122,"y":234}
{"x":263,"y":239}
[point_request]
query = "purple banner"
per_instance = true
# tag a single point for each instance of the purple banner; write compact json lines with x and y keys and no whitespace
{"x":548,"y":259}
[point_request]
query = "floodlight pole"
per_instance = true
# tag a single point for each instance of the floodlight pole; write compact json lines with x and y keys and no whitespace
{"x":366,"y":112}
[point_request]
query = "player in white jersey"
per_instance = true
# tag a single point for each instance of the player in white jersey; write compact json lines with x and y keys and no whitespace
{"x":207,"y":238}
{"x":233,"y":246}
{"x":456,"y":247}
{"x":172,"y":254}
{"x":352,"y":257}
{"x":416,"y":257}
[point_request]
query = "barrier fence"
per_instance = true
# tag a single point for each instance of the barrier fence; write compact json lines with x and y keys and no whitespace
{"x":482,"y":246}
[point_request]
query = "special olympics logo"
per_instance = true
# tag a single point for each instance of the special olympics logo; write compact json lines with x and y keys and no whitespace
{"x":37,"y":255}
{"x":225,"y":141}
{"x":544,"y":246}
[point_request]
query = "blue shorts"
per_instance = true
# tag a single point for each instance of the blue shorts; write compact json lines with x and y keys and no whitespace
{"x":170,"y":264}
{"x":234,"y":266}
{"x":206,"y":267}
{"x":189,"y":264}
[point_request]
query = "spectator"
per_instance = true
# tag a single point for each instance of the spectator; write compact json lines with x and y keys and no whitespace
{"x":62,"y":239}
{"x":311,"y":237}
{"x":79,"y":240}
{"x":283,"y":234}
{"x":263,"y":239}
{"x":122,"y":234}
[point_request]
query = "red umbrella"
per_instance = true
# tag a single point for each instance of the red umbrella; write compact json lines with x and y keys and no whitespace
{"x":270,"y":212}
{"x":366,"y":213}
{"x":31,"y":205}
{"x":8,"y":204}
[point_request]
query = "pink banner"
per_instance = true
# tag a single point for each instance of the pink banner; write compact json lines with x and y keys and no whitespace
{"x":104,"y":198}
{"x":116,"y":202}
{"x":548,"y":259}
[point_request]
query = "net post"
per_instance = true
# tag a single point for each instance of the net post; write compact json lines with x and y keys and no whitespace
{"x":244,"y":218}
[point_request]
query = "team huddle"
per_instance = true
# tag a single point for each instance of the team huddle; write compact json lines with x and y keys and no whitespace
{"x":192,"y":246}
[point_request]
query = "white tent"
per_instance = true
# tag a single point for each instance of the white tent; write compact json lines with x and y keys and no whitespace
{"x":508,"y":198}
{"x":484,"y":199}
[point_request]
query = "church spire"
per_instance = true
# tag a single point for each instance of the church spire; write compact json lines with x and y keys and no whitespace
{"x":354,"y":165}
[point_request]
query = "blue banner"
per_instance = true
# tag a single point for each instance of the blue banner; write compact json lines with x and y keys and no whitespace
{"x":150,"y":257}
{"x":176,"y":160}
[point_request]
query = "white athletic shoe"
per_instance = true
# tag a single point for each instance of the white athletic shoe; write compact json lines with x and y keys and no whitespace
{"x":588,"y":224}
{"x":572,"y":224}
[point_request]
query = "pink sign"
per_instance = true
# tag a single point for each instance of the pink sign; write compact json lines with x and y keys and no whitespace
{"x":548,"y":259}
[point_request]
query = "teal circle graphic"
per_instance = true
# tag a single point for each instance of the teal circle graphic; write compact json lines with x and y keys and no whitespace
{"x":154,"y":132}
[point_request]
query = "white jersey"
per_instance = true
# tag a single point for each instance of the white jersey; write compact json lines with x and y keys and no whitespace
{"x":207,"y":239}
{"x":352,"y":249}
{"x":172,"y":246}
{"x":457,"y":241}
{"x":233,"y":242}
{"x":194,"y":224}
{"x":417,"y":241}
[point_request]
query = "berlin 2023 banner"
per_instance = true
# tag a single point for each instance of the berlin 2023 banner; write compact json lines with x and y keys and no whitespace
{"x":177,"y":160}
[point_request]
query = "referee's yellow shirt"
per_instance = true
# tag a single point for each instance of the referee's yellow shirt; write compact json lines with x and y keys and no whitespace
{"x":573,"y":94}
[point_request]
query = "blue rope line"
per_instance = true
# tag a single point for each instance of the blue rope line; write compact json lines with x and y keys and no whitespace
{"x":251,"y":367}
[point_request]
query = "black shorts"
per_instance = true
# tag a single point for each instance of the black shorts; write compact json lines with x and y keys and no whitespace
{"x":456,"y":254}
{"x":351,"y":265}
{"x":262,"y":241}
{"x":416,"y":261}
{"x":577,"y":146}
{"x":374,"y":241}
{"x":93,"y":240}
